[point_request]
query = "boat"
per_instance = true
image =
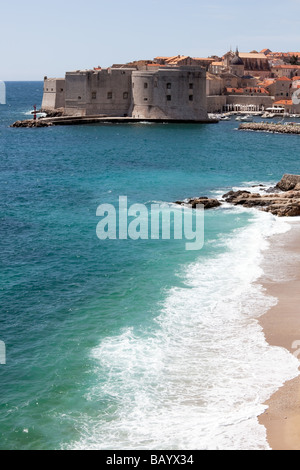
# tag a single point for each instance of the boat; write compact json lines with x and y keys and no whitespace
{"x":247,"y":118}
{"x":268,"y":116}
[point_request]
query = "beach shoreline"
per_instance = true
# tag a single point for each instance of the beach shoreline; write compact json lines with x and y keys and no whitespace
{"x":281,"y":326}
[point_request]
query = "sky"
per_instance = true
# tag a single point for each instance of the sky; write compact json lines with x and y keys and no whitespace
{"x":49,"y":38}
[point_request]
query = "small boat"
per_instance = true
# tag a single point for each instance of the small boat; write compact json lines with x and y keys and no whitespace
{"x":247,"y":118}
{"x":268,"y":116}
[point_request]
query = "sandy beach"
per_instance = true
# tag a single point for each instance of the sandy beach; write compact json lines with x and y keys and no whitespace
{"x":281,"y":325}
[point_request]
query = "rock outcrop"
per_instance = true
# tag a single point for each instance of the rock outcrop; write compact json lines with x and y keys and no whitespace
{"x":283,"y":200}
{"x":31,"y":123}
{"x":289,"y":182}
{"x":285,"y":204}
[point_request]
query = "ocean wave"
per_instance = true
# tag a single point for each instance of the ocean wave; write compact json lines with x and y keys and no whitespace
{"x":199,"y":377}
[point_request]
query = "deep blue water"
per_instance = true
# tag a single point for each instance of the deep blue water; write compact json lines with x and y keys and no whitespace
{"x":65,"y":294}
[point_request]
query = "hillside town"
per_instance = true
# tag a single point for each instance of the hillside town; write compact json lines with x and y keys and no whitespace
{"x":181,"y":87}
{"x":253,"y":81}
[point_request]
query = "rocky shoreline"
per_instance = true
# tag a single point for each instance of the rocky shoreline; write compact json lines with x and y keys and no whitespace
{"x":289,"y":128}
{"x":283,"y":200}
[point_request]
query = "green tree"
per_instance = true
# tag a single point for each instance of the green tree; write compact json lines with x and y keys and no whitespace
{"x":294,"y":60}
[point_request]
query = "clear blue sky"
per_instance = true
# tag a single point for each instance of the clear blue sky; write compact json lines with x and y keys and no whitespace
{"x":49,"y":38}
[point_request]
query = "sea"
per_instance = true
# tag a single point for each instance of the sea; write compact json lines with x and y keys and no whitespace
{"x":134,"y":344}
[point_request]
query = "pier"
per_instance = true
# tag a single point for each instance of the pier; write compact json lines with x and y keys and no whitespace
{"x":81,"y":120}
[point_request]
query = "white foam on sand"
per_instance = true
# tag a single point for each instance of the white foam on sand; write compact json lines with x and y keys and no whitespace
{"x":198,"y":379}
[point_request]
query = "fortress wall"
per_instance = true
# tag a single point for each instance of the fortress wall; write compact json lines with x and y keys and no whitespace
{"x":54,"y":94}
{"x":261,"y":101}
{"x":216,"y":103}
{"x":105,"y":92}
{"x":170,"y":93}
{"x":76,"y":93}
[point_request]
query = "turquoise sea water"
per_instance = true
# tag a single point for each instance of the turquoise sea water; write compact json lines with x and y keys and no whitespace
{"x":132,"y":344}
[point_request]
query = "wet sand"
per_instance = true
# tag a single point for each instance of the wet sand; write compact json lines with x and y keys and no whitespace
{"x":281,"y":325}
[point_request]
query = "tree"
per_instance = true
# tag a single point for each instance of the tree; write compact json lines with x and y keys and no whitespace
{"x":294,"y":60}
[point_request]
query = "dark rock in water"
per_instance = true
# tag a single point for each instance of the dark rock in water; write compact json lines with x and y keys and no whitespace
{"x":289,"y":182}
{"x":208,"y":203}
{"x":31,"y":123}
{"x":233,"y":195}
{"x":273,"y":190}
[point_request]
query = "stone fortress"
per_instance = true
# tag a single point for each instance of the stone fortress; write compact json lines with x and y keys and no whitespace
{"x":178,"y":88}
{"x":143,"y":92}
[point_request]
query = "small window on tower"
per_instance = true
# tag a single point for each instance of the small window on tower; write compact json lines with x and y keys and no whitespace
{"x":169,"y":86}
{"x":125,"y":95}
{"x":169,"y":98}
{"x":145,"y":85}
{"x":94,"y":95}
{"x":109,"y":95}
{"x":191,"y":98}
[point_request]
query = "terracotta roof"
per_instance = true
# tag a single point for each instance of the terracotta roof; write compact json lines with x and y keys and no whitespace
{"x":287,"y":66}
{"x":296,"y":78}
{"x":268,"y":82}
{"x":219,"y":64}
{"x":287,"y":102}
{"x":252,"y":55}
{"x":235,"y":90}
{"x":208,"y":59}
{"x":283,"y":79}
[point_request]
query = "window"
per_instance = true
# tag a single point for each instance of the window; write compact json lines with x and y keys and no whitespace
{"x":94,"y":95}
{"x":169,"y":98}
{"x":125,"y":95}
{"x":145,"y":85}
{"x":109,"y":95}
{"x":61,"y":89}
{"x":191,"y":98}
{"x":145,"y":99}
{"x":191,"y":86}
{"x":169,"y":86}
{"x":155,"y":84}
{"x":79,"y":97}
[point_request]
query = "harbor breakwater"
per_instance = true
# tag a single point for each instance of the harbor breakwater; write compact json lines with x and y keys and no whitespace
{"x":288,"y":128}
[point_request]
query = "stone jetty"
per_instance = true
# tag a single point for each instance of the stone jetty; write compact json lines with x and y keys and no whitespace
{"x":283,"y":200}
{"x":288,"y":128}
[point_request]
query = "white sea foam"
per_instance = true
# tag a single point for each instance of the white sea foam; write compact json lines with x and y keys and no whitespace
{"x":198,"y":379}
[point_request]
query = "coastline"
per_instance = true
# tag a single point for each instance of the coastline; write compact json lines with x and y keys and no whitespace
{"x":281,"y":326}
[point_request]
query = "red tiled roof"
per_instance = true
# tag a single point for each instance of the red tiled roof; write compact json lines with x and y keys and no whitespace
{"x":287,"y":102}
